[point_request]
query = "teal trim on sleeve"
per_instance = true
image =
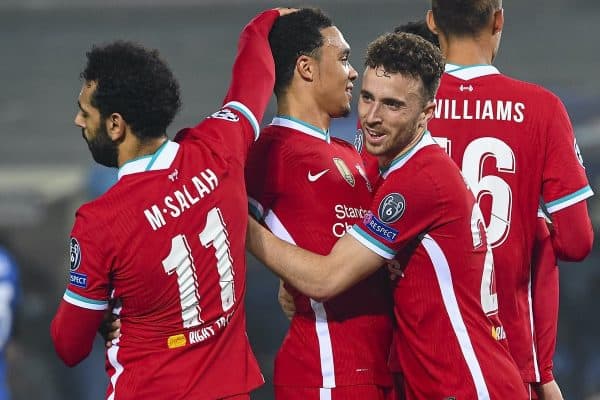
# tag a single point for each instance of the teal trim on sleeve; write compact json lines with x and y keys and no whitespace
{"x":374,"y":242}
{"x":84,"y":299}
{"x":584,"y":192}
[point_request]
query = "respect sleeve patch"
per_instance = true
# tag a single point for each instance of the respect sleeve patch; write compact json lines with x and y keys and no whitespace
{"x":76,"y":278}
{"x":379,"y":228}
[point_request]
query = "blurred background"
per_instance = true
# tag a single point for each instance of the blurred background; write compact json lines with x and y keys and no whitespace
{"x":46,"y":171}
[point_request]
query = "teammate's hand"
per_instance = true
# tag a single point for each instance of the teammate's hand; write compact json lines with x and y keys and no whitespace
{"x":395,"y":269}
{"x":286,"y":301}
{"x":285,"y":10}
{"x":110,"y":328}
{"x":549,"y":391}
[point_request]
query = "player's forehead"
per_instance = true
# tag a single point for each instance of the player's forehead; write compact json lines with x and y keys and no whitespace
{"x":334,"y":40}
{"x":383,"y":84}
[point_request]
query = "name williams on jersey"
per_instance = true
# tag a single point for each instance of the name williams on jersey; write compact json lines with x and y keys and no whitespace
{"x":182,"y":199}
{"x":480,"y":109}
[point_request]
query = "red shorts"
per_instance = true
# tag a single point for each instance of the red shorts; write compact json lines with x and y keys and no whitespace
{"x":354,"y":392}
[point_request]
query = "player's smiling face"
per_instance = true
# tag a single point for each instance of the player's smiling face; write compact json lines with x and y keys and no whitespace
{"x":93,"y":129}
{"x":334,"y":74}
{"x":392,"y":113}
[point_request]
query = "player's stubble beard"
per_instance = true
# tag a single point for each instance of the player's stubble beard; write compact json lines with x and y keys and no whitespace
{"x":397,"y":142}
{"x":104,"y":150}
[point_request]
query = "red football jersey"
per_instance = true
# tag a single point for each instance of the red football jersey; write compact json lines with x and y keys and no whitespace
{"x":450,"y":342}
{"x":309,"y":189}
{"x":514,"y":143}
{"x":167,"y":240}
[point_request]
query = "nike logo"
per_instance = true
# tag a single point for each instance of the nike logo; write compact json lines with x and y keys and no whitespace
{"x":313,"y":178}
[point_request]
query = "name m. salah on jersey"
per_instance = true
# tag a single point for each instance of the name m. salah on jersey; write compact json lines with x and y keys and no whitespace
{"x":182,"y":199}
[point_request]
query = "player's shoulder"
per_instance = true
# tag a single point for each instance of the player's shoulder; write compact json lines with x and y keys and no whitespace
{"x":91,"y":214}
{"x":501,"y":82}
{"x":287,"y":142}
{"x":344,"y":144}
{"x":430,"y":163}
{"x":539,"y":96}
{"x":436,"y":181}
{"x":274,"y":139}
{"x":432,"y":167}
{"x":434,"y":155}
{"x":102,"y":207}
{"x":275,"y":133}
{"x":531,"y":87}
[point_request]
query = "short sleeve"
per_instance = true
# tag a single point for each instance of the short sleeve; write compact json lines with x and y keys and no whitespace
{"x":402,"y":211}
{"x":89,"y":265}
{"x":564,"y":179}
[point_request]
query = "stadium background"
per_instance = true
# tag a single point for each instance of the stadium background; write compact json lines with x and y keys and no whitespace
{"x":46,"y":170}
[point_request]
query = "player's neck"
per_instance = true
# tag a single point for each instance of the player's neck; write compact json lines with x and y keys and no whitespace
{"x":294,"y":107}
{"x":132,"y":148}
{"x":468,"y":52}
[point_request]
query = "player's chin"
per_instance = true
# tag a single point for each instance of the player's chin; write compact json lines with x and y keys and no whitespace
{"x":343,"y":112}
{"x":375,"y":145}
{"x":373,"y":149}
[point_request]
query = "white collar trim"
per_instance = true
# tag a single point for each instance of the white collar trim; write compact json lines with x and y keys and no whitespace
{"x":466,"y":72}
{"x":161,"y":159}
{"x":426,"y":140}
{"x":304,"y":127}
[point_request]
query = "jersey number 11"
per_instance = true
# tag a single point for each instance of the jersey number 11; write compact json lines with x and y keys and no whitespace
{"x":181,"y":261}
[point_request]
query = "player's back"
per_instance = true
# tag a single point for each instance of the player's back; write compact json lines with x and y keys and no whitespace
{"x":505,"y":135}
{"x":309,"y":190}
{"x":175,"y":253}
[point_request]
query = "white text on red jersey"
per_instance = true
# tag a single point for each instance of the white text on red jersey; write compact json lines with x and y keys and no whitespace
{"x":182,"y":199}
{"x":498,"y":110}
{"x":345,"y":213}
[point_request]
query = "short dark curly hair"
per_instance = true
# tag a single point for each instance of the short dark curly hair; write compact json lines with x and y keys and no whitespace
{"x":418,"y":28}
{"x":136,"y":83}
{"x":463,"y":17}
{"x":293,"y":35}
{"x":409,"y":55}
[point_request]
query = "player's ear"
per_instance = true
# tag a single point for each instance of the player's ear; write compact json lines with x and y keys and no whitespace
{"x":427,"y":113}
{"x":498,"y":21}
{"x":305,"y":66}
{"x":431,"y":22}
{"x":116,"y":126}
